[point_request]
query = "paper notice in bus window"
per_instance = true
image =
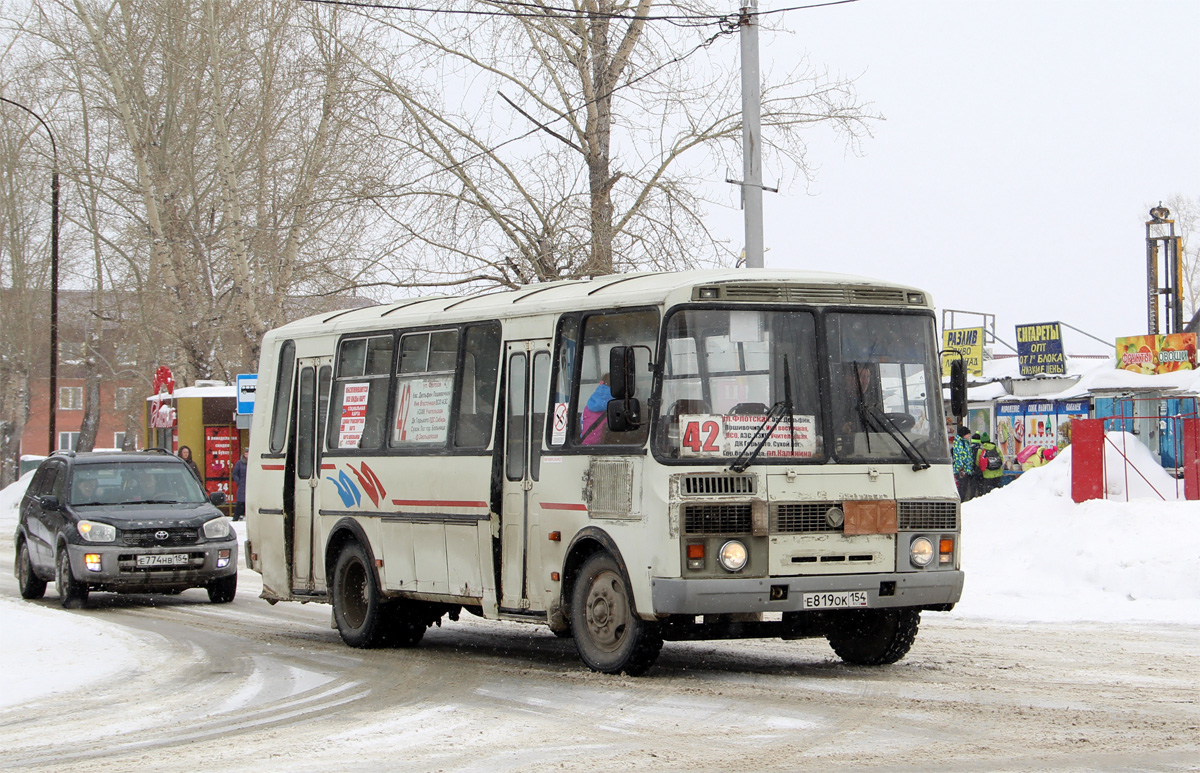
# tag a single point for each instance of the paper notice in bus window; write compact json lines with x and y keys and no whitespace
{"x":423,"y":410}
{"x":716,"y":435}
{"x":354,"y":414}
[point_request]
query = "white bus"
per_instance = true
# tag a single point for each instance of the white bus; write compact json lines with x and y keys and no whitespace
{"x":626,"y":460}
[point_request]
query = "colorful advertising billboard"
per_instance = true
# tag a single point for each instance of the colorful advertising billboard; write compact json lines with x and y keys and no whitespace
{"x":969,"y":342}
{"x":1151,"y":354}
{"x":1039,"y":349}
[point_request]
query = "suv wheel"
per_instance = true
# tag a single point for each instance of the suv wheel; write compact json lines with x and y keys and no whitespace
{"x":32,"y":586}
{"x":71,"y":592}
{"x":222,"y":590}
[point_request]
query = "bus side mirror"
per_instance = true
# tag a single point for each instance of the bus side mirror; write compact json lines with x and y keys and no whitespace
{"x":958,"y":387}
{"x":624,"y":415}
{"x":622,"y":379}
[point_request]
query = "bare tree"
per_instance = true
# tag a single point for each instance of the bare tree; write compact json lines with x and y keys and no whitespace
{"x":572,"y":140}
{"x":230,"y":163}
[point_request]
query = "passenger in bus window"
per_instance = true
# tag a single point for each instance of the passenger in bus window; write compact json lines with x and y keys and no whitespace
{"x":591,"y":423}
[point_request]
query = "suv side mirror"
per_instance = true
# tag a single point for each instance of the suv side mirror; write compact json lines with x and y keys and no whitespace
{"x":958,"y":387}
{"x":50,"y":502}
{"x":622,"y":380}
{"x":217,"y":498}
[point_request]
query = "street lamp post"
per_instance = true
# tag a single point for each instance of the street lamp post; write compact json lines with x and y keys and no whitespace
{"x":51,"y":406}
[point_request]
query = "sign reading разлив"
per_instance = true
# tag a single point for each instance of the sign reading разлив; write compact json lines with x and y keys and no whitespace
{"x":1039,"y":349}
{"x":968,"y":342}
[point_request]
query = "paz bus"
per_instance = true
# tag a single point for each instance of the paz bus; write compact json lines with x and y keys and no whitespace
{"x":628,"y":460}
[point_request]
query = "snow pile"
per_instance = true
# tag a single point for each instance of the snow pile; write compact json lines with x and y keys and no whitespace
{"x":1031,"y":553}
{"x":80,"y":648}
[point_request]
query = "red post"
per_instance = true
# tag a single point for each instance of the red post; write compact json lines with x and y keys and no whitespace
{"x":1087,"y":459}
{"x":1191,"y":458}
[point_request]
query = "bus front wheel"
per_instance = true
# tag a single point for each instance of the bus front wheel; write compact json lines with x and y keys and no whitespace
{"x":359,"y":610}
{"x":609,"y":635}
{"x":874,"y":637}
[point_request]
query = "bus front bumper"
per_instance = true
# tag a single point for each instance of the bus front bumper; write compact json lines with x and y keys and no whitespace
{"x":792,"y":594}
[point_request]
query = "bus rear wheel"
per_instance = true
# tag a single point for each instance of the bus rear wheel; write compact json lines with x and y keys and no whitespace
{"x":359,"y":609}
{"x":609,"y":636}
{"x":874,"y":637}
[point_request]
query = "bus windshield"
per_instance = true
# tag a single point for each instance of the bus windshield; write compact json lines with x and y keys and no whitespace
{"x":886,"y":392}
{"x":742,"y":382}
{"x":735,"y":378}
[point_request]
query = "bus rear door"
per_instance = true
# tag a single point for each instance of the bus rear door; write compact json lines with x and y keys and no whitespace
{"x":526,"y":398}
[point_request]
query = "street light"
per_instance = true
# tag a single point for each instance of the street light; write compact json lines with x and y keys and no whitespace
{"x":53,"y":407}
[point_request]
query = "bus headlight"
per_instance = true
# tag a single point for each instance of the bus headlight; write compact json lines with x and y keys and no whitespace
{"x":920,"y":552}
{"x":733,"y":556}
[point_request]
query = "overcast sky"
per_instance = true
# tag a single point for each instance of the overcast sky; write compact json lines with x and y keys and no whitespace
{"x":1023,"y":141}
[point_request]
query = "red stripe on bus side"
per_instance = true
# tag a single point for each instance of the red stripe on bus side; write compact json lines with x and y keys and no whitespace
{"x":563,"y":506}
{"x":328,"y":466}
{"x":435,"y":503}
{"x":273,"y":467}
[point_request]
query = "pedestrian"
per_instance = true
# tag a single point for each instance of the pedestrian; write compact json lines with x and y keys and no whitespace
{"x":185,"y":454}
{"x":989,"y":478}
{"x":239,"y":484}
{"x":963,"y":459}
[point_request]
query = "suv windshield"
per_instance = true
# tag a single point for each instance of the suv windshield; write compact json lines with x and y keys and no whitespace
{"x":737,"y":378}
{"x":886,"y":392}
{"x":119,"y":483}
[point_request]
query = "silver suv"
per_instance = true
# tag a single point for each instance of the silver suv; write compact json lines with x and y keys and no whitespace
{"x":137,"y":522}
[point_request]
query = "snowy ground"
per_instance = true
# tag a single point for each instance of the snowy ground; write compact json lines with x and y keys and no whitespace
{"x":1030,"y":554}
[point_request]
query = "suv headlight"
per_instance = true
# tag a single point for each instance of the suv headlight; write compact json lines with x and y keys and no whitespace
{"x":218,"y":528}
{"x":96,"y":532}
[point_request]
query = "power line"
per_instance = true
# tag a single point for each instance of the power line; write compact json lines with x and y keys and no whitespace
{"x":540,"y":11}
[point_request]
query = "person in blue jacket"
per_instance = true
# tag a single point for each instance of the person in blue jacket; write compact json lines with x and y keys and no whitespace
{"x":963,"y":458}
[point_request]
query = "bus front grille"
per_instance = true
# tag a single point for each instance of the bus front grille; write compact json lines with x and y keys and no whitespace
{"x":801,"y":518}
{"x":917,"y":515}
{"x":716,"y":519}
{"x":700,"y":485}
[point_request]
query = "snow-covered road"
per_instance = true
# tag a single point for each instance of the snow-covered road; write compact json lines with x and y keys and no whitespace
{"x":1077,"y":647}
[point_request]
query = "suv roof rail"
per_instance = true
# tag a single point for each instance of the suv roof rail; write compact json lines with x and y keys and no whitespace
{"x":62,"y":452}
{"x":157,"y":450}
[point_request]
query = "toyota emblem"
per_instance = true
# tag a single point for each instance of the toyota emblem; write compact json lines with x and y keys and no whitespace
{"x":161,"y":535}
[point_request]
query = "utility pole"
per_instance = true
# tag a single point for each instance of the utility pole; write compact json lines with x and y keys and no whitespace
{"x":752,"y":184}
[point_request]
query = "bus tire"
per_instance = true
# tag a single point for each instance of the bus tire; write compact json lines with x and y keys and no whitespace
{"x":359,"y":610}
{"x":405,"y":623}
{"x":71,"y":592}
{"x":874,"y":637}
{"x":609,"y":636}
{"x":32,"y":586}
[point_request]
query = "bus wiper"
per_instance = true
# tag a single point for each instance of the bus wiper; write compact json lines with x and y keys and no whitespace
{"x":775,"y":415}
{"x":759,"y":438}
{"x":882,"y":420}
{"x":872,"y":415}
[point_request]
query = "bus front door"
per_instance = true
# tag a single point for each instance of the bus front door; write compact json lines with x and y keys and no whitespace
{"x":526,"y":398}
{"x":312,"y":403}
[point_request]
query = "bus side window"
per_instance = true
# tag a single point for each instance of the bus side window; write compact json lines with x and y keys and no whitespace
{"x":282,"y":397}
{"x":477,"y":397}
{"x":564,"y":372}
{"x":360,"y":395}
{"x":424,"y":387}
{"x":601,"y":332}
